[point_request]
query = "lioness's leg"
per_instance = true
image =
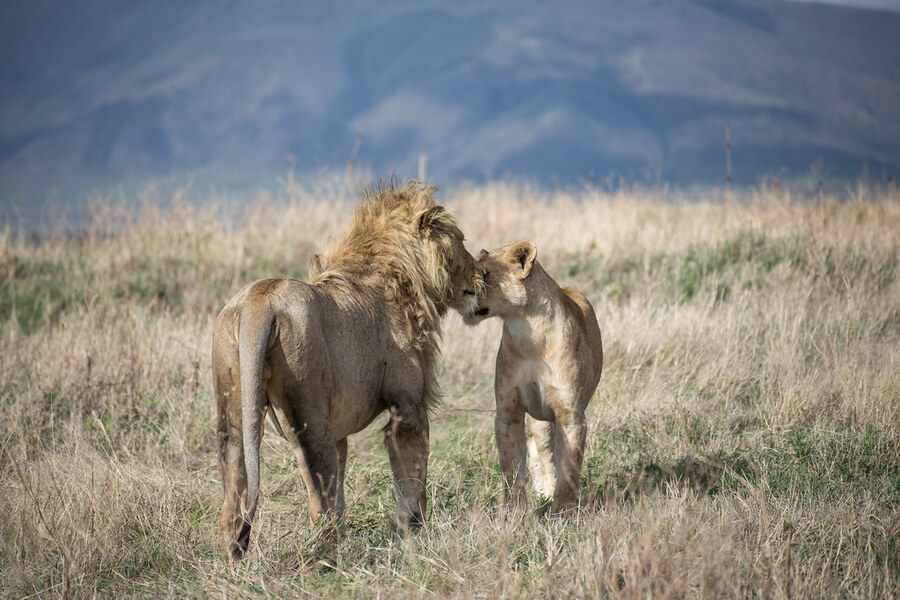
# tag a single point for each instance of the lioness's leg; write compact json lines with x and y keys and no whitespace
{"x":541,"y":465}
{"x":234,"y":523}
{"x":509,"y":429}
{"x":406,"y":438}
{"x":568,"y":454}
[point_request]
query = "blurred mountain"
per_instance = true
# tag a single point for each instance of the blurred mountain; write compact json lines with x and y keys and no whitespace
{"x":98,"y":92}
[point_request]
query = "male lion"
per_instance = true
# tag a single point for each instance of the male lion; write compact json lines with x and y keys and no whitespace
{"x":325,"y":358}
{"x":548,"y":366}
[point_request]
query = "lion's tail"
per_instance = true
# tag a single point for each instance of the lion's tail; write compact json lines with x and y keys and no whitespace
{"x":253,"y":340}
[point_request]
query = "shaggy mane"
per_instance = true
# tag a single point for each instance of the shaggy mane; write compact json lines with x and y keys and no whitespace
{"x":395,"y":253}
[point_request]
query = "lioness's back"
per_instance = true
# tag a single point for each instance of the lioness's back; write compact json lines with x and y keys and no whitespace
{"x":587,"y":321}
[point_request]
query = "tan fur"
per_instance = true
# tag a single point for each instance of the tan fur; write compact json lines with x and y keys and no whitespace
{"x":548,"y":366}
{"x":325,"y":358}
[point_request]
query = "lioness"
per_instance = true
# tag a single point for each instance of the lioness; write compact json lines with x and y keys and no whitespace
{"x":325,"y":358}
{"x":548,"y":366}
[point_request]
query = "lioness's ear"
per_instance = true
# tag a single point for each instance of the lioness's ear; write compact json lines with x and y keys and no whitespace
{"x":483,"y":254}
{"x":426,"y":217}
{"x":521,"y":256}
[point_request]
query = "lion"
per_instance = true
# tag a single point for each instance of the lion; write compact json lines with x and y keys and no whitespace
{"x":548,"y":366}
{"x":323,"y":359}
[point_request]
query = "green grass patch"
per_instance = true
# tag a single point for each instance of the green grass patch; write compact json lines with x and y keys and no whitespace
{"x":745,"y":260}
{"x":827,"y":464}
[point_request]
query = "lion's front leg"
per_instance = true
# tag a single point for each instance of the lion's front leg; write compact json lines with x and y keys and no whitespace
{"x":406,"y":438}
{"x":509,"y":429}
{"x":541,"y":465}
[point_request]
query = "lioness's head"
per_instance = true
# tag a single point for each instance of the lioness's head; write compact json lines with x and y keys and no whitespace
{"x":448,"y":262}
{"x":506,"y":271}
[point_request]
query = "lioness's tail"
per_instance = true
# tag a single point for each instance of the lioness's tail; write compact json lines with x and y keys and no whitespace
{"x":253,"y":339}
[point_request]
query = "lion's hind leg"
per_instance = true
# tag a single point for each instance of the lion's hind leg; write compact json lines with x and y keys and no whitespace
{"x":234,"y":523}
{"x":568,"y":454}
{"x":320,"y":466}
{"x":541,"y":465}
{"x":303,"y":413}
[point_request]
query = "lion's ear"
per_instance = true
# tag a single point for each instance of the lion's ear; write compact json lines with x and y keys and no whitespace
{"x":521,"y":256}
{"x":315,"y":265}
{"x":426,"y":217}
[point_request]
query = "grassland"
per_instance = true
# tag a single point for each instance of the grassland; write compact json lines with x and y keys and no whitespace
{"x":743,"y":440}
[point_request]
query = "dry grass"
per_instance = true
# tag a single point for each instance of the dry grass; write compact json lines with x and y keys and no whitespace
{"x":749,"y":409}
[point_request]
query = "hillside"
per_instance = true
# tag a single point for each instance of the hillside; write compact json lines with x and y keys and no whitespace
{"x":102,"y":92}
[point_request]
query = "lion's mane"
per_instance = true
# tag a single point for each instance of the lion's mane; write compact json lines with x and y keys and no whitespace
{"x":379,"y":259}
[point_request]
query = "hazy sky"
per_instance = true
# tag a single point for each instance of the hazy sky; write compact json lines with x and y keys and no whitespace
{"x":879,"y":4}
{"x":641,"y":90}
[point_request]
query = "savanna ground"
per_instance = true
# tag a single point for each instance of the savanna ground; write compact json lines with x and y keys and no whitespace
{"x":743,"y":440}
